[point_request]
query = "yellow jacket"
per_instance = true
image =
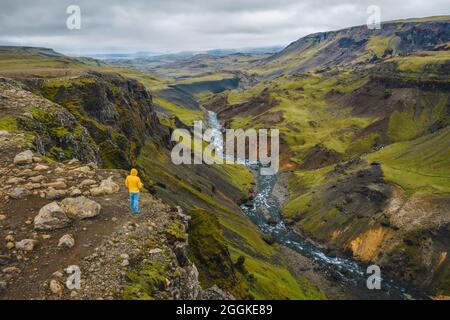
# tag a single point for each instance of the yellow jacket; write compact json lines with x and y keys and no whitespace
{"x":133,"y":182}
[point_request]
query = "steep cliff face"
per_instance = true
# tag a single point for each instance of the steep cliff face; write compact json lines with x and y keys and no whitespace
{"x":116,"y":111}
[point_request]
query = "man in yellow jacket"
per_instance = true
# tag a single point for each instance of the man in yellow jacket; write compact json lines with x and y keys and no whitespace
{"x":134,"y":185}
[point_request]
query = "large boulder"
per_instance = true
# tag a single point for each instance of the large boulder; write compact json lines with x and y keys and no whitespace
{"x":25,"y":157}
{"x":51,"y":217}
{"x":107,"y":186}
{"x":19,"y":193}
{"x":80,"y":207}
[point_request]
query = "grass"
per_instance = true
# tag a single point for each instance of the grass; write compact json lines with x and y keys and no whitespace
{"x":238,"y":175}
{"x":418,"y":61}
{"x":274,"y":282}
{"x":209,"y":251}
{"x":414,"y":121}
{"x":303,"y":101}
{"x":378,"y":44}
{"x":300,"y":185}
{"x":208,"y":77}
{"x":9,"y":123}
{"x":187,"y":116}
{"x":362,"y":145}
{"x":218,"y":228}
{"x":420,"y":165}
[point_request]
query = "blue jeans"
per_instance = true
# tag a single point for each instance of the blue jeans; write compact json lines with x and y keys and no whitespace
{"x":134,"y":202}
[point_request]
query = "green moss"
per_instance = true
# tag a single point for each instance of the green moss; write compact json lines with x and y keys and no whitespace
{"x":269,"y":280}
{"x":406,"y":125}
{"x":187,"y":116}
{"x":148,"y":277}
{"x":176,"y":229}
{"x":9,"y":123}
{"x":59,"y":132}
{"x":419,"y":60}
{"x":362,"y":145}
{"x":238,"y":176}
{"x":443,"y":287}
{"x":420,"y":165}
{"x":208,"y":250}
{"x":378,"y":44}
{"x":295,"y":207}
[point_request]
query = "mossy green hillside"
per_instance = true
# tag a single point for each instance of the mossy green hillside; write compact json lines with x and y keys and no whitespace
{"x":220,"y":229}
{"x":419,"y":165}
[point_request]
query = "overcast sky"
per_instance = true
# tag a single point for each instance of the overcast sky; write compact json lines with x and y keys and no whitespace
{"x":181,"y":25}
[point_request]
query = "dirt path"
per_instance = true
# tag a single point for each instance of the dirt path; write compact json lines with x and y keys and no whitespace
{"x":25,"y":272}
{"x":37,"y":266}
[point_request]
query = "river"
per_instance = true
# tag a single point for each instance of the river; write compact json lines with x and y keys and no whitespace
{"x":264,"y":211}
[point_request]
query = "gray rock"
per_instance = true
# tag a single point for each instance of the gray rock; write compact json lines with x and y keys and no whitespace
{"x":15,"y":180}
{"x":4,"y":133}
{"x":51,"y":217}
{"x":80,"y":207}
{"x":37,"y":179}
{"x":41,"y":167}
{"x":75,"y":192}
{"x":11,"y":270}
{"x":87,"y":182}
{"x":56,"y":185}
{"x":4,"y":260}
{"x":215,"y":293}
{"x":107,"y":186}
{"x":19,"y":193}
{"x":3,"y":286}
{"x":26,"y":245}
{"x":25,"y":157}
{"x":66,"y":242}
{"x":73,"y":162}
{"x":84,"y":169}
{"x":56,"y":287}
{"x":181,"y":254}
{"x":53,"y":194}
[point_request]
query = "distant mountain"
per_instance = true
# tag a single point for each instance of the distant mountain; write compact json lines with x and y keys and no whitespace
{"x":259,"y":50}
{"x":359,"y":44}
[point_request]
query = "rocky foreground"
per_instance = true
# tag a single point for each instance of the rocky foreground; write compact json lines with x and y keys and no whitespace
{"x":60,"y":220}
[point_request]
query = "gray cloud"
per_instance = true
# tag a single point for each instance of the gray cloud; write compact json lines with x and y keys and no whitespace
{"x":176,"y":25}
